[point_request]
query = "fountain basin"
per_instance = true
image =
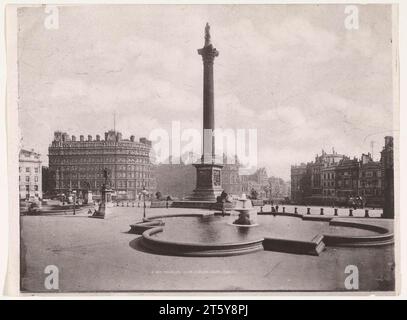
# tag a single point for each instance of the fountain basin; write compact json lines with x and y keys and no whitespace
{"x":209,"y":235}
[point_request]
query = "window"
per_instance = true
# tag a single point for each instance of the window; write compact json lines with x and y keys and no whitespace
{"x":36,"y":178}
{"x":36,"y":188}
{"x":27,"y":178}
{"x":36,"y":170}
{"x":27,"y":188}
{"x":27,"y":169}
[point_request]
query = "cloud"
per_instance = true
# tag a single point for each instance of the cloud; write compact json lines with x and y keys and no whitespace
{"x":292,"y":72}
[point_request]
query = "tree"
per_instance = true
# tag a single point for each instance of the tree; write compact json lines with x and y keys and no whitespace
{"x":253,"y":194}
{"x":158,"y":195}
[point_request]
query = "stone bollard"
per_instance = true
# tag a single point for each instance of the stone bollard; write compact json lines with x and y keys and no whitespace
{"x":335,"y":211}
{"x":350,"y":212}
{"x":322,"y":212}
{"x":295,"y":210}
{"x":122,"y":204}
{"x":283,"y":209}
{"x":133,"y":203}
{"x":138,"y":204}
{"x":261,"y":209}
{"x":308,"y":210}
{"x":366,"y":213}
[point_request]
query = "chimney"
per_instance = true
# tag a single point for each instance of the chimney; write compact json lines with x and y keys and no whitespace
{"x":81,"y":138}
{"x":132,"y":138}
{"x":97,"y":137}
{"x":89,"y":137}
{"x":388,"y":141}
{"x":73,"y":138}
{"x":57,"y":136}
{"x":106,"y":135}
{"x":65,"y":137}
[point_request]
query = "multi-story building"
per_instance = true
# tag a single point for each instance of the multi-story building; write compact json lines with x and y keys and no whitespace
{"x":315,"y":171}
{"x":299,"y":179}
{"x":328,"y":173}
{"x":347,"y":178}
{"x":231,"y":180}
{"x":322,"y":176}
{"x":79,"y":164}
{"x":30,"y":175}
{"x":370,"y":181}
{"x":387,"y":162}
{"x":257,"y":181}
{"x":334,"y":178}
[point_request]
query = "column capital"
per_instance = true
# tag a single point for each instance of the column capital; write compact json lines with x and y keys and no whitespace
{"x":208,"y":54}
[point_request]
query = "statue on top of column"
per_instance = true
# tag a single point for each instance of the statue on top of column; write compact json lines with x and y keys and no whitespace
{"x":207,"y":35}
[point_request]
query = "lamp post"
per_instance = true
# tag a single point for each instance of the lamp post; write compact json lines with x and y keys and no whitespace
{"x":74,"y":201}
{"x":144,"y":192}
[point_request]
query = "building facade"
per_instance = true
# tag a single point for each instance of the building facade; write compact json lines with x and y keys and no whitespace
{"x":79,"y":164}
{"x":347,"y":179}
{"x":371,"y":181}
{"x":179,"y":179}
{"x":175,"y":180}
{"x":299,"y":178}
{"x":231,"y":180}
{"x":258,"y":181}
{"x":30,"y":175}
{"x":335,"y":178}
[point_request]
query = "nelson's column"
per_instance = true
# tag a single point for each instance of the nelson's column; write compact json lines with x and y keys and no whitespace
{"x":208,"y":172}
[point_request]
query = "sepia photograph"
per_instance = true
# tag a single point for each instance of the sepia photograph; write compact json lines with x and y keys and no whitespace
{"x":205,"y":148}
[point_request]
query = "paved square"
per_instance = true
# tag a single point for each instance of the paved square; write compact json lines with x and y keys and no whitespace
{"x":99,"y":255}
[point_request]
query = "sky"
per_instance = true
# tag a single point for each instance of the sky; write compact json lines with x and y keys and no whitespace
{"x":293,"y":72}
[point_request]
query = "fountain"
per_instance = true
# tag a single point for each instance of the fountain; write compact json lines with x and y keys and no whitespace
{"x":243,"y":214}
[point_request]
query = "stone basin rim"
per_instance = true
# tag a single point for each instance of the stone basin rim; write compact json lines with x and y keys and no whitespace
{"x":152,"y":226}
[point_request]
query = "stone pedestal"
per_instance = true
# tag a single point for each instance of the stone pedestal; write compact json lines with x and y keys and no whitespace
{"x":105,"y":204}
{"x":208,"y":182}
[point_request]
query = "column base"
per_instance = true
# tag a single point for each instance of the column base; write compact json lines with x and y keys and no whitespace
{"x":208,"y":183}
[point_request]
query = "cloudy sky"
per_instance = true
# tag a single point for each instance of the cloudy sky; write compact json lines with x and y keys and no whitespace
{"x":293,"y":72}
